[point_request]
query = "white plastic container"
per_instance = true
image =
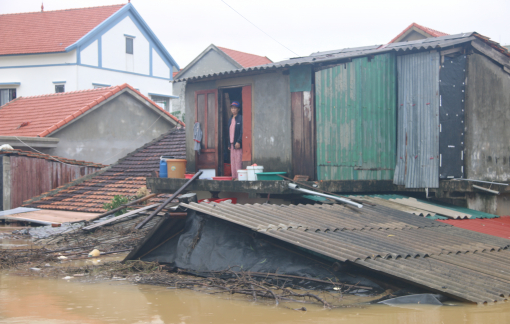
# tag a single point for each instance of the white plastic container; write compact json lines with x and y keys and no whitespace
{"x":207,"y":174}
{"x":242,"y":175}
{"x":253,"y":170}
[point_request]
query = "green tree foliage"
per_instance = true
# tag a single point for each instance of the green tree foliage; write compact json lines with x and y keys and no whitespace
{"x":117,"y":201}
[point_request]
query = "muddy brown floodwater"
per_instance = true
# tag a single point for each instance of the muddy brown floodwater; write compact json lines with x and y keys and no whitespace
{"x":43,"y":300}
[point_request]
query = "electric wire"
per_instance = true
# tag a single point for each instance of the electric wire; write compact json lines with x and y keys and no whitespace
{"x":259,"y":28}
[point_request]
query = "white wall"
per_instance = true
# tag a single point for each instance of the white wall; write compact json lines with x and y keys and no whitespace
{"x":38,"y":59}
{"x":114,"y":48}
{"x":39,"y":80}
{"x":145,"y":84}
{"x":159,"y":67}
{"x":89,"y":55}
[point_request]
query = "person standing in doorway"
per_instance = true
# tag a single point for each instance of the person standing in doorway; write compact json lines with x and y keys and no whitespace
{"x":236,"y":139}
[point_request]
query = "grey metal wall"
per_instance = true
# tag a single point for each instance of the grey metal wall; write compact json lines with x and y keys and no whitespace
{"x":355,"y":109}
{"x":418,"y":120}
{"x":487,"y":149}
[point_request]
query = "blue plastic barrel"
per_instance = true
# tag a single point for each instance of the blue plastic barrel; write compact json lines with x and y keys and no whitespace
{"x":163,"y":171}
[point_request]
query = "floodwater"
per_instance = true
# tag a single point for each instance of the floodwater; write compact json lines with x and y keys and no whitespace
{"x":42,"y":300}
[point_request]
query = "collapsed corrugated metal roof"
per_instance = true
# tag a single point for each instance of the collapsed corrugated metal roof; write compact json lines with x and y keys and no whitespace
{"x":454,"y":261}
{"x":323,"y":57}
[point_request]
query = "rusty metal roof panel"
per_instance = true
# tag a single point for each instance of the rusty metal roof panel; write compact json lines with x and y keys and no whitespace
{"x":384,"y":239}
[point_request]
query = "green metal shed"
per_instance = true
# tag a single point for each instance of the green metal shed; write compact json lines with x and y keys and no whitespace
{"x":356,"y":119}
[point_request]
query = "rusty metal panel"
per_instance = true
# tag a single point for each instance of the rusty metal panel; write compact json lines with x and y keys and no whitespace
{"x":356,"y":119}
{"x":418,"y":120}
{"x":31,"y":177}
{"x":303,"y":134}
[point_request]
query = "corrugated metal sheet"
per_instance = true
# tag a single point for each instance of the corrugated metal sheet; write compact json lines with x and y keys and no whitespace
{"x":458,"y":209}
{"x":443,"y":258}
{"x":418,"y":120}
{"x":356,"y":116}
{"x":435,"y":43}
{"x":497,"y":226}
{"x":31,"y":177}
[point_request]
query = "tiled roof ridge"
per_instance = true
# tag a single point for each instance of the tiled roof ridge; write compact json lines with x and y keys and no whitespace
{"x":434,"y":32}
{"x":59,"y":10}
{"x":244,"y":53}
{"x":52,"y":158}
{"x":93,"y":103}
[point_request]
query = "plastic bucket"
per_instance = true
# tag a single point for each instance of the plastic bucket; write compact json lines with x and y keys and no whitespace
{"x":176,"y":168}
{"x":253,"y":170}
{"x":242,"y":175}
{"x":188,"y":175}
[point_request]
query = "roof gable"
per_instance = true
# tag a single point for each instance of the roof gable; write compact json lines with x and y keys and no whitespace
{"x":65,"y":30}
{"x":49,"y":31}
{"x":422,"y":30}
{"x":238,"y":59}
{"x":42,"y":115}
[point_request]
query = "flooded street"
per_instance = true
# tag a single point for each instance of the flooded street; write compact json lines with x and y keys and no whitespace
{"x":42,"y":300}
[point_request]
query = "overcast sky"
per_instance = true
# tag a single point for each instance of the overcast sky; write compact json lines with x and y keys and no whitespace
{"x":187,"y":27}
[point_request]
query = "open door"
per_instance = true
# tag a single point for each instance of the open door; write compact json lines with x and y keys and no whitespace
{"x":206,"y":113}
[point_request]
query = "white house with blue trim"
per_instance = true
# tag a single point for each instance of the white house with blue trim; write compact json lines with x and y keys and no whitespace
{"x":85,"y":48}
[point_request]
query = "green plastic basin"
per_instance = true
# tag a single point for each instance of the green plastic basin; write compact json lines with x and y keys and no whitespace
{"x":270,"y":175}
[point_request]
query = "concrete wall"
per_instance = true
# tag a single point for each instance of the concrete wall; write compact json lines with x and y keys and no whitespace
{"x":211,"y":62}
{"x":487,"y":153}
{"x":111,"y":131}
{"x":271,"y":118}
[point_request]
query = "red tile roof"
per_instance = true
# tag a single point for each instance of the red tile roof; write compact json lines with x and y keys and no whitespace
{"x":49,"y":31}
{"x":48,"y":157}
{"x":493,"y":226}
{"x":246,"y":59}
{"x":124,"y":178}
{"x":44,"y":114}
{"x":430,"y":31}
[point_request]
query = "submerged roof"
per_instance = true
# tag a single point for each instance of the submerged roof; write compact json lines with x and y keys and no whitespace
{"x":42,"y":115}
{"x":124,"y":178}
{"x":464,"y":264}
{"x":48,"y":157}
{"x":49,"y":31}
{"x":429,"y":31}
{"x":437,"y":43}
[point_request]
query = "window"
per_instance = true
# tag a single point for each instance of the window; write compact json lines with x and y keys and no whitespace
{"x":7,"y":95}
{"x":60,"y":88}
{"x":129,"y":45}
{"x":162,"y":102}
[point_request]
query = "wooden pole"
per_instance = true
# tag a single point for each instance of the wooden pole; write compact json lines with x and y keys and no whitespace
{"x":166,"y":202}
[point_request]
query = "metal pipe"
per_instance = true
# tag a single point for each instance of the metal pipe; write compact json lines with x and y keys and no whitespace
{"x":486,"y":189}
{"x":496,"y":183}
{"x":346,"y":201}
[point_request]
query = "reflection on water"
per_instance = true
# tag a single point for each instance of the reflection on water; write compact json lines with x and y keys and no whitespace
{"x":37,"y":300}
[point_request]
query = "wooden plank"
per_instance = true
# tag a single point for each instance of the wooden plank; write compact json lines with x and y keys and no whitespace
{"x":303,"y":134}
{"x":47,"y":216}
{"x":247,"y":123}
{"x":124,"y":206}
{"x":114,"y":219}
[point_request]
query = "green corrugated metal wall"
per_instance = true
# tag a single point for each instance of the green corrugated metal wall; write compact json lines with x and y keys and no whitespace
{"x":356,"y":119}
